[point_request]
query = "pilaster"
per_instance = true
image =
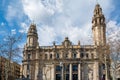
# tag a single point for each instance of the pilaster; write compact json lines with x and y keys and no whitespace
{"x":70,"y":68}
{"x":96,"y":71}
{"x":79,"y":72}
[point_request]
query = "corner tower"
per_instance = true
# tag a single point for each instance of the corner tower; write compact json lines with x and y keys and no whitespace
{"x":32,"y":36}
{"x":30,"y":52}
{"x":98,"y":26}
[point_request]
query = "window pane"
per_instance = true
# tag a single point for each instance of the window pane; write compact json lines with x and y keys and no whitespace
{"x":58,"y":77}
{"x":29,"y":56}
{"x":58,"y":68}
{"x":67,"y":76}
{"x":28,"y":66}
{"x":75,"y":67}
{"x":67,"y":68}
{"x":75,"y":77}
{"x":87,"y":55}
{"x":57,"y":55}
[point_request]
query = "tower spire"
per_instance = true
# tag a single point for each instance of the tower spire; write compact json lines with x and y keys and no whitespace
{"x":98,"y":26}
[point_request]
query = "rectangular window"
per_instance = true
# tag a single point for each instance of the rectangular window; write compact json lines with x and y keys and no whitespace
{"x":81,"y":55}
{"x":29,"y":56}
{"x":50,"y":56}
{"x":57,"y":55}
{"x":75,"y":67}
{"x":28,"y":66}
{"x":58,"y":68}
{"x":67,"y":76}
{"x":58,"y":76}
{"x":28,"y":76}
{"x":66,"y":68}
{"x":75,"y":77}
{"x":103,"y":66}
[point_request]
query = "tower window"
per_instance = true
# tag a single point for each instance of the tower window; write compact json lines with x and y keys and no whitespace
{"x":29,"y":55}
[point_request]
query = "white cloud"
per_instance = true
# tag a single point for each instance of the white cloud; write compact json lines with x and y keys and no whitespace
{"x":41,"y":10}
{"x":113,"y":31}
{"x":61,"y":18}
{"x":14,"y":12}
{"x":47,"y":35}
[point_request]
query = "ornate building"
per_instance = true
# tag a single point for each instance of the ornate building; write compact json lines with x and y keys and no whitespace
{"x":68,"y":61}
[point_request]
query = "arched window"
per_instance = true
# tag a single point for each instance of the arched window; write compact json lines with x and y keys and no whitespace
{"x":74,"y":55}
{"x":81,"y":55}
{"x":50,"y":56}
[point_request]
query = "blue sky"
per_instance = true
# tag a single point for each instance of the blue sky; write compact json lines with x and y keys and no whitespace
{"x":55,"y":19}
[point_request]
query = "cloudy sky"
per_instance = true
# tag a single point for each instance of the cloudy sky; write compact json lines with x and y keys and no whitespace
{"x":55,"y":19}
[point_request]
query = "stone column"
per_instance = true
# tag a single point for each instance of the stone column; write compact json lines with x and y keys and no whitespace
{"x":70,"y":68}
{"x":53,"y":71}
{"x":79,"y":72}
{"x":36,"y":66}
{"x":62,"y":73}
{"x":96,"y":71}
{"x":36,"y":70}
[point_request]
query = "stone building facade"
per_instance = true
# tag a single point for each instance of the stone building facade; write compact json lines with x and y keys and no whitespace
{"x":68,"y":61}
{"x":11,"y":72}
{"x":118,"y":72}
